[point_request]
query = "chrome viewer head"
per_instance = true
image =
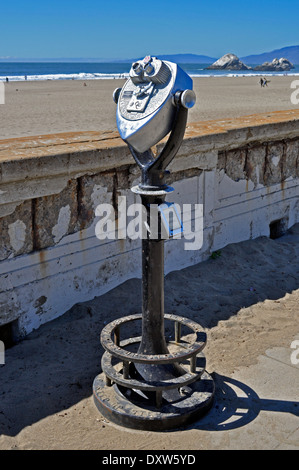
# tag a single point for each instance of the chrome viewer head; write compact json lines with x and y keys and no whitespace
{"x":147,"y":103}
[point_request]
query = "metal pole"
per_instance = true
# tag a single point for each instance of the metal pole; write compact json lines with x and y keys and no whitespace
{"x":153,"y":338}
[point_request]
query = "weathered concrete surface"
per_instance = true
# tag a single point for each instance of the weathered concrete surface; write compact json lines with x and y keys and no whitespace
{"x":106,"y":150}
{"x":94,"y":190}
{"x":55,"y":216}
{"x":255,"y":164}
{"x":16,"y":231}
{"x":243,"y":171}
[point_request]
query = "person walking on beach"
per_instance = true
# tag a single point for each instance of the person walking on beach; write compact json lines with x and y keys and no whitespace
{"x":262,"y":82}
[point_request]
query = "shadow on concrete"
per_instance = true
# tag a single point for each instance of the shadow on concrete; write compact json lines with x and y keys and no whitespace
{"x":236,"y":405}
{"x":54,"y":367}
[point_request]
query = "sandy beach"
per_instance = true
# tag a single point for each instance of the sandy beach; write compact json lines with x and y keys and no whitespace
{"x":247,"y":302}
{"x":38,"y":108}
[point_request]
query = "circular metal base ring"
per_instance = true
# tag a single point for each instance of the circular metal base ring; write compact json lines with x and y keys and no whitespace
{"x":118,"y":408}
{"x":189,"y":350}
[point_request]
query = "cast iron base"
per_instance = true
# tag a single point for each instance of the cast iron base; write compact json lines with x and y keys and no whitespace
{"x":134,"y":412}
{"x":153,"y":392}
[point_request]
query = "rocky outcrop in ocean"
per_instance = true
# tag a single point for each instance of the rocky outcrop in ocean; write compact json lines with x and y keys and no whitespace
{"x":228,"y":62}
{"x":277,"y":65}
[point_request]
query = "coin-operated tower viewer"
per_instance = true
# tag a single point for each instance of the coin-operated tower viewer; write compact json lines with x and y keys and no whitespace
{"x":147,"y":381}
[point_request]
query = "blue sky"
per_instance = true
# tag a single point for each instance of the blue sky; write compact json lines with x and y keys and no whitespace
{"x":126,"y":29}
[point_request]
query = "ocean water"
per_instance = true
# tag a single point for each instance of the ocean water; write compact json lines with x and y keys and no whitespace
{"x":20,"y":71}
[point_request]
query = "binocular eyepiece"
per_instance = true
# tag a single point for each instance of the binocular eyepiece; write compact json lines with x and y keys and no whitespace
{"x":150,"y":69}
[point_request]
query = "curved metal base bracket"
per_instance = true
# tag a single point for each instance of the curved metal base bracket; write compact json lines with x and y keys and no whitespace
{"x":130,"y":408}
{"x":154,"y":192}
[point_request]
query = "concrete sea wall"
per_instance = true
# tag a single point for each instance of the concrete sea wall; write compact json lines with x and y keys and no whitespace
{"x":245,"y":173}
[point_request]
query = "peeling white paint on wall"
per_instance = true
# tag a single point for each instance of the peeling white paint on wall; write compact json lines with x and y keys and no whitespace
{"x":257,"y":174}
{"x":17,"y":234}
{"x":233,"y":211}
{"x":61,"y":228}
{"x":7,"y":209}
{"x":97,"y":195}
{"x":275,"y":160}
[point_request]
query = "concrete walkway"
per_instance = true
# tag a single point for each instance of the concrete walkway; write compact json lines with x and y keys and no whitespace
{"x":257,"y":407}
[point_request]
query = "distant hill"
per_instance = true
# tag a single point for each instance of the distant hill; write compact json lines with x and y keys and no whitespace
{"x":187,"y":58}
{"x":178,"y":58}
{"x":291,"y":53}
